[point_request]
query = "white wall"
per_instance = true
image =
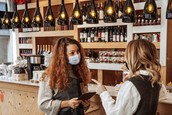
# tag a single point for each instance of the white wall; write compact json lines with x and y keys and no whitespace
{"x":3,"y":49}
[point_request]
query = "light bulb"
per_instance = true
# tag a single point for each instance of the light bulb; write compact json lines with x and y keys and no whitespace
{"x":150,"y":8}
{"x":6,"y":21}
{"x":129,"y":10}
{"x":26,"y":19}
{"x":76,"y":14}
{"x":93,"y":13}
{"x":62,"y":15}
{"x":16,"y":19}
{"x":38,"y":19}
{"x":110,"y":10}
{"x":50,"y":18}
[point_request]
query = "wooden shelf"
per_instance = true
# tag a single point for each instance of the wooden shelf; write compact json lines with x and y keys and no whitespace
{"x":140,"y":5}
{"x":102,"y":24}
{"x":147,"y":29}
{"x":104,"y":45}
{"x":47,"y":33}
{"x":25,"y":46}
{"x":26,"y":54}
{"x":105,"y":66}
{"x":43,"y":4}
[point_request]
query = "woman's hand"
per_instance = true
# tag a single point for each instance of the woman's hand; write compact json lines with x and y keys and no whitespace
{"x":101,"y":88}
{"x":74,"y":103}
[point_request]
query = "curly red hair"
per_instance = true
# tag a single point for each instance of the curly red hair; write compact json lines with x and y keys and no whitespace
{"x":58,"y":68}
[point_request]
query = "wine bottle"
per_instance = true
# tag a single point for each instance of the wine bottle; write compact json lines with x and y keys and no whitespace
{"x":150,"y":10}
{"x":82,"y":36}
{"x":120,"y":11}
{"x":102,"y":34}
{"x":38,"y":50}
{"x":169,"y":10}
{"x":116,"y":9}
{"x":129,"y":12}
{"x":99,"y":34}
{"x":110,"y":34}
{"x":101,"y":12}
{"x":85,"y":35}
{"x":84,"y":11}
{"x":158,"y":22}
{"x":106,"y":34}
{"x":89,"y":35}
{"x":117,"y":34}
{"x":114,"y":34}
{"x":96,"y":35}
{"x":92,"y":34}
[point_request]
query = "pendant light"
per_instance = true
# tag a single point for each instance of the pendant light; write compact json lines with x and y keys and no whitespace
{"x":128,"y":12}
{"x":49,"y":16}
{"x":150,"y":10}
{"x":92,"y":17}
{"x":37,"y":17}
{"x":16,"y":23}
{"x":63,"y":18}
{"x":77,"y":15}
{"x":6,"y":23}
{"x":109,"y":13}
{"x":169,"y":10}
{"x":26,"y":22}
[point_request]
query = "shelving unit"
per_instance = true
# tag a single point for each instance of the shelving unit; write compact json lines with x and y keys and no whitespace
{"x":163,"y":29}
{"x":25,"y":46}
{"x":105,"y":66}
{"x":104,"y":45}
{"x":47,"y":33}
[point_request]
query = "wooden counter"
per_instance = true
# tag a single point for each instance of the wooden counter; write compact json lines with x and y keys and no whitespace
{"x":20,"y":97}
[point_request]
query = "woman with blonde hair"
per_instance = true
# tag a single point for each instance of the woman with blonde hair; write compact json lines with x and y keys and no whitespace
{"x":64,"y":80}
{"x":139,"y":94}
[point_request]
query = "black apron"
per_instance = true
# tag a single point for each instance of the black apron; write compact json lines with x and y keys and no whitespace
{"x":72,"y":91}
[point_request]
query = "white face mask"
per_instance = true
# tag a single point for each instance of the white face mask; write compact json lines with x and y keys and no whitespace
{"x":74,"y":60}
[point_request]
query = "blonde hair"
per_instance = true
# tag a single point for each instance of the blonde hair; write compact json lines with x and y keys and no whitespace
{"x":141,"y":55}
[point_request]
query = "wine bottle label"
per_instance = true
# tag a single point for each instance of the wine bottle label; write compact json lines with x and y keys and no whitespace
{"x":85,"y":35}
{"x":84,"y":17}
{"x":89,"y":39}
{"x":114,"y":38}
{"x":119,"y":14}
{"x":96,"y":39}
{"x":101,"y":14}
{"x":81,"y":35}
{"x":117,"y":38}
{"x":92,"y":35}
{"x":106,"y":36}
{"x":103,"y":36}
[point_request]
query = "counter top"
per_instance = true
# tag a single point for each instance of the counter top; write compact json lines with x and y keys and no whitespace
{"x":11,"y":80}
{"x":91,"y":87}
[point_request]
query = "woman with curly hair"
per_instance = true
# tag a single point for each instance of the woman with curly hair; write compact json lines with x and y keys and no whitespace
{"x":64,"y":80}
{"x":139,"y":94}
